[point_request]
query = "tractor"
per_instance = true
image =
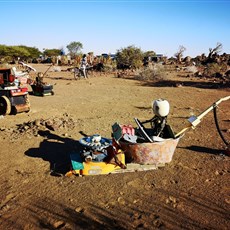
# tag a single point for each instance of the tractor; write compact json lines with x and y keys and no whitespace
{"x":13,"y":96}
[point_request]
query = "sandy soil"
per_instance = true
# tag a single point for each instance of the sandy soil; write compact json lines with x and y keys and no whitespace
{"x":191,"y":192}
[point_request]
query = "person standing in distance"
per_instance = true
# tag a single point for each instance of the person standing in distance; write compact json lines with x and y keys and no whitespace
{"x":84,"y":65}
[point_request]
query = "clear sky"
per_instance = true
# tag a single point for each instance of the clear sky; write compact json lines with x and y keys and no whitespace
{"x":109,"y":25}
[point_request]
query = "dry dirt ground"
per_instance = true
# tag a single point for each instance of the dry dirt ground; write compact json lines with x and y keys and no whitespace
{"x":191,"y":192}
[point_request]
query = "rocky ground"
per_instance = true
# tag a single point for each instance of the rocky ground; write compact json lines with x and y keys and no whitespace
{"x":191,"y":192}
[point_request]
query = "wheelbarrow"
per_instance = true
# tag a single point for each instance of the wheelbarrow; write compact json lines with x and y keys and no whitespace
{"x":159,"y":150}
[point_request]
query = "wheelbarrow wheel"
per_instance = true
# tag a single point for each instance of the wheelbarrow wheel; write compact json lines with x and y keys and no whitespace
{"x":5,"y":105}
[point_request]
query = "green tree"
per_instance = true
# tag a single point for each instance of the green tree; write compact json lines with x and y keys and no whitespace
{"x":13,"y":52}
{"x":18,"y":51}
{"x":33,"y":51}
{"x":3,"y":50}
{"x":52,"y":52}
{"x":131,"y":56}
{"x":149,"y":53}
{"x":74,"y":48}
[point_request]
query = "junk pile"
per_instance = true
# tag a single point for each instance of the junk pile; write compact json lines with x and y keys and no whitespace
{"x":13,"y":95}
{"x":14,"y":89}
{"x":134,"y":149}
{"x":22,"y":77}
{"x":39,"y":87}
{"x":98,"y":156}
{"x":130,"y":149}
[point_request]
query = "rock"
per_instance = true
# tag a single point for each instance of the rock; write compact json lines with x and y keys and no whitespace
{"x":167,"y":201}
{"x":37,"y":122}
{"x":157,"y":223}
{"x":79,"y":209}
{"x":59,"y":224}
{"x":121,"y":200}
{"x":173,"y":199}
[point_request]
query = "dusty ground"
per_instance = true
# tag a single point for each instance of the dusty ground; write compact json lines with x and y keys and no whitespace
{"x":191,"y":192}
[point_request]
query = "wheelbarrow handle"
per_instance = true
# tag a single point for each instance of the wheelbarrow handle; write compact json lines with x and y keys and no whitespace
{"x":215,"y":104}
{"x":194,"y":121}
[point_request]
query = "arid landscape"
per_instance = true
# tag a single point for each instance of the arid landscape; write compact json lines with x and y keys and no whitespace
{"x":191,"y":192}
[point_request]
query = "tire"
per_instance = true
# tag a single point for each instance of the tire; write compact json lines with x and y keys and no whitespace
{"x":77,"y":73}
{"x":5,"y":105}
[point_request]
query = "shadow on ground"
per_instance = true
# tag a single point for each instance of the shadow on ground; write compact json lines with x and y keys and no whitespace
{"x":196,"y":84}
{"x":175,"y":214}
{"x":201,"y":149}
{"x":56,"y":150}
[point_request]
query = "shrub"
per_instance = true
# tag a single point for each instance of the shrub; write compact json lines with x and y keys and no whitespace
{"x":152,"y":73}
{"x":130,"y":56}
{"x":213,"y":68}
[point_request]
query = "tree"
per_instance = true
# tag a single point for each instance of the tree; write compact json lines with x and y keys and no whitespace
{"x":33,"y":51}
{"x":149,"y":53}
{"x":3,"y":50}
{"x":215,"y":50}
{"x":13,"y":52}
{"x":148,"y":57}
{"x":130,"y":56}
{"x":180,"y":54}
{"x":52,"y":52}
{"x":74,"y":48}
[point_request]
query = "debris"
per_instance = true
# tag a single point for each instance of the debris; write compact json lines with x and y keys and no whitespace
{"x":59,"y":224}
{"x":31,"y":128}
{"x":41,"y":88}
{"x":79,"y":209}
{"x":121,"y":200}
{"x":13,"y":95}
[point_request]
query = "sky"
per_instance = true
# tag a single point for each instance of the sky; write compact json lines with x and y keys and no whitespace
{"x":108,"y":26}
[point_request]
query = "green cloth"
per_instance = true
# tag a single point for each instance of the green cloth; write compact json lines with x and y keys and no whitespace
{"x":76,"y":161}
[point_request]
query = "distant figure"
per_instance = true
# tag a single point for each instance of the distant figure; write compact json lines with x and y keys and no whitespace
{"x":84,"y":65}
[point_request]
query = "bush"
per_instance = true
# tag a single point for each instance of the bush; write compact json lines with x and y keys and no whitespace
{"x":213,"y":68}
{"x":152,"y":73}
{"x":130,"y":56}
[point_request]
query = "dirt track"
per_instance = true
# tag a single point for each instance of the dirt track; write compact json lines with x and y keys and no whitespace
{"x":191,"y":192}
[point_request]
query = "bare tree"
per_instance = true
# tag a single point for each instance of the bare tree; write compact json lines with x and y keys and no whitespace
{"x":179,"y":54}
{"x":215,"y":50}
